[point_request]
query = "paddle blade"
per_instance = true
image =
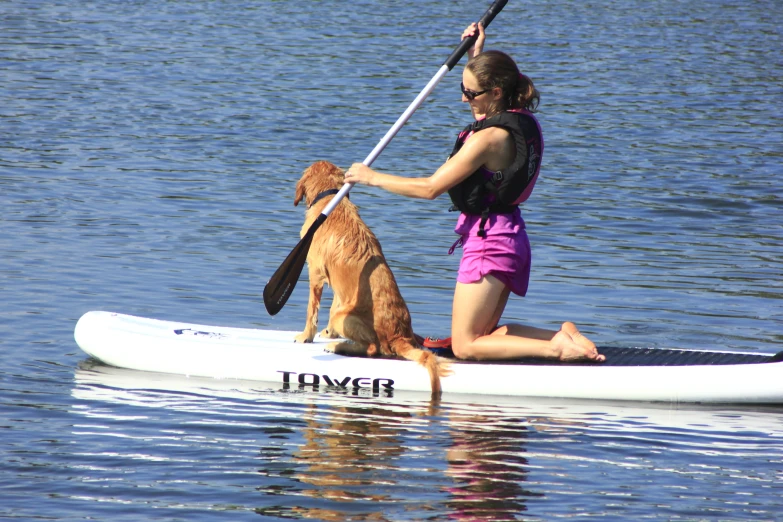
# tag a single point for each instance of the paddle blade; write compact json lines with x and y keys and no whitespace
{"x":282,"y":283}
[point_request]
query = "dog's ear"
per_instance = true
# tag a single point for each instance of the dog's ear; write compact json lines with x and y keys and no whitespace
{"x":300,"y":192}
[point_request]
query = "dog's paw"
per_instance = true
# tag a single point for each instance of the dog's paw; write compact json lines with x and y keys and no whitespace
{"x":303,"y":338}
{"x":331,"y":347}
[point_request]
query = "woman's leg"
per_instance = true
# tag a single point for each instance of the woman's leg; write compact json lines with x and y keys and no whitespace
{"x":475,"y":335}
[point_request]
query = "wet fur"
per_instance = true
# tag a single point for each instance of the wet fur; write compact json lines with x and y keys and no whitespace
{"x":367,"y":306}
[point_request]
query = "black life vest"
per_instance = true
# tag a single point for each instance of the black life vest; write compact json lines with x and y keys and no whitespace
{"x":484,"y":191}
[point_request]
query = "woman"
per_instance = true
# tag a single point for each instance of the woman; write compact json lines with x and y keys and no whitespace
{"x":492,"y":169}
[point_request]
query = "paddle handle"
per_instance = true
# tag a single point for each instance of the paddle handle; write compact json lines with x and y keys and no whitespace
{"x":468,"y":42}
{"x":455,"y":57}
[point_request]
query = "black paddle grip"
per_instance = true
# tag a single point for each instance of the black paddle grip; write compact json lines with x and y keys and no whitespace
{"x":467,"y":43}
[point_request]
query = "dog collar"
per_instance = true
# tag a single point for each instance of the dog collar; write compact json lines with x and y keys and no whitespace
{"x":321,"y":195}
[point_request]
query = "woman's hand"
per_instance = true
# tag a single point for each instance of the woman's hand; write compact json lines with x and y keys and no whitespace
{"x":360,"y":173}
{"x":478,"y":46}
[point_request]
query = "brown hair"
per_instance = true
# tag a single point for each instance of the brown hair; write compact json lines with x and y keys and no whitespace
{"x":497,"y":69}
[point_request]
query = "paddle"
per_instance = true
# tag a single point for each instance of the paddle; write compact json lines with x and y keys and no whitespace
{"x":282,"y":283}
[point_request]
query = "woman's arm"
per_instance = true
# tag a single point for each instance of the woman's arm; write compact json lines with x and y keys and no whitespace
{"x":481,"y":148}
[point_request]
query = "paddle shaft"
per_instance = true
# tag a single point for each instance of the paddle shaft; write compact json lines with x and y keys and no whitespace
{"x":281,"y":284}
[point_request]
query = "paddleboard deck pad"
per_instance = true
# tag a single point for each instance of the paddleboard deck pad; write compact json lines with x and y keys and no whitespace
{"x":638,"y":374}
{"x":641,"y":357}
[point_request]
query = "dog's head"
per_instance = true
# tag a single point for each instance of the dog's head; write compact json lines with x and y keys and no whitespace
{"x":316,"y":178}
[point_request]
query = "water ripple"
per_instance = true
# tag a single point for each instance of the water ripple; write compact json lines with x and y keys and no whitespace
{"x":148,"y":155}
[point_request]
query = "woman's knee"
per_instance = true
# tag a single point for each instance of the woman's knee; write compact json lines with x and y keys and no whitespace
{"x":462,"y":347}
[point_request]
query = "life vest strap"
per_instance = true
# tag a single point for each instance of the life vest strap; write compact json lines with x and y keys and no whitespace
{"x":484,"y":217}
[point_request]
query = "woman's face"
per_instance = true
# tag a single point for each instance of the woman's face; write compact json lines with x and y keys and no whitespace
{"x":481,"y":103}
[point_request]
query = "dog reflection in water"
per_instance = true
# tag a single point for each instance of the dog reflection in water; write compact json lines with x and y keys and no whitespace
{"x":356,"y":462}
{"x":349,"y":457}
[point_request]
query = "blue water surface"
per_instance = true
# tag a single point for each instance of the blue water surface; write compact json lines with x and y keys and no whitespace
{"x":148,"y":156}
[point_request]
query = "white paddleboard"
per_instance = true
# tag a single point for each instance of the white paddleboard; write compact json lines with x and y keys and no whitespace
{"x":272,"y":356}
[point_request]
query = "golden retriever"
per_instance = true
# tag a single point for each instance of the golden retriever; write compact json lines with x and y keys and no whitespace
{"x":367,"y":307}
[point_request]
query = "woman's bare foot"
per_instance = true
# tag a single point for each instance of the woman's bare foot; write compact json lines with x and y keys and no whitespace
{"x":579,"y":347}
{"x":565,"y":348}
{"x":571,"y":329}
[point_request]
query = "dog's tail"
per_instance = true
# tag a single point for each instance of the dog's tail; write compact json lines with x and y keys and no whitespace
{"x":435,"y":366}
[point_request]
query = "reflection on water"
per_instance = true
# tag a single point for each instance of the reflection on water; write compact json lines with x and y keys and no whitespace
{"x":344,"y":458}
{"x":358,"y":455}
{"x":487,"y":462}
{"x":331,"y":456}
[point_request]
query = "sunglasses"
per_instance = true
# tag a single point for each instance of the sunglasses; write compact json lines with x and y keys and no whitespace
{"x":471,"y":94}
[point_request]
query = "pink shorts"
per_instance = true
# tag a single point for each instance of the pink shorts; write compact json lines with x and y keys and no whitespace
{"x":504,"y":253}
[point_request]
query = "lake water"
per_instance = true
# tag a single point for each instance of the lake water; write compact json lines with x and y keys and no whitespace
{"x":148,"y":155}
